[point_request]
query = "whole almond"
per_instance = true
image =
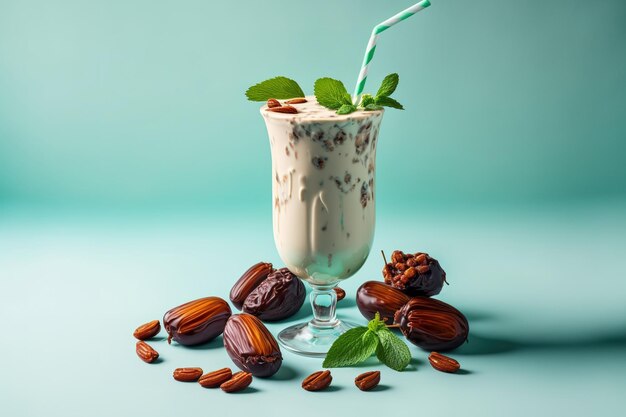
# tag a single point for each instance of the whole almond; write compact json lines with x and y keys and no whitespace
{"x":272,"y":102}
{"x":238,"y":382}
{"x":443,"y":363}
{"x":298,"y":100}
{"x":367,"y":380}
{"x":145,"y":352}
{"x":284,"y":109}
{"x":187,"y":374}
{"x":317,"y":381}
{"x":216,"y":378}
{"x":147,"y":330}
{"x":341,"y":294}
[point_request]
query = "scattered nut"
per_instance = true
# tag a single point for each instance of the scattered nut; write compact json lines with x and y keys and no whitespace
{"x":145,"y":352}
{"x":238,"y":382}
{"x":341,"y":293}
{"x":187,"y":374}
{"x":367,"y":380}
{"x":317,"y":381}
{"x":148,"y":330}
{"x":443,"y":363}
{"x":216,"y":378}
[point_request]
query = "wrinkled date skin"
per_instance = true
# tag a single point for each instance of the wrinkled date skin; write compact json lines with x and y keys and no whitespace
{"x":374,"y":296}
{"x":197,"y":321}
{"x":251,"y":346}
{"x":279,"y":296}
{"x":432,"y":324}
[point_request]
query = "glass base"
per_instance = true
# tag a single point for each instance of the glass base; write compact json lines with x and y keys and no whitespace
{"x":311,"y":340}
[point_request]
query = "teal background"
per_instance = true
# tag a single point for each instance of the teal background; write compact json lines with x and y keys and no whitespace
{"x":140,"y":104}
{"x":134,"y":176}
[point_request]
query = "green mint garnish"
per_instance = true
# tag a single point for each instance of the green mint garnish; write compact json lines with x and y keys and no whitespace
{"x":358,"y":344}
{"x":388,"y":102}
{"x":352,"y":347}
{"x":346,"y":109}
{"x":392,"y":351}
{"x":366,"y":100}
{"x":382,"y":98}
{"x":332,"y":94}
{"x":278,"y":88}
{"x":388,"y":85}
{"x":329,"y":92}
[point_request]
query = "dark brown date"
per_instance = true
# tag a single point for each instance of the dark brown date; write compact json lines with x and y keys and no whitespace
{"x":250,"y":279}
{"x":375,"y":297}
{"x":279,"y":296}
{"x":414,"y":274}
{"x":197,"y":321}
{"x":251,"y":346}
{"x":432,"y":324}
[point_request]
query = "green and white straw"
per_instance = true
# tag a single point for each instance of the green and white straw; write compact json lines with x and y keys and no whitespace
{"x":371,"y":45}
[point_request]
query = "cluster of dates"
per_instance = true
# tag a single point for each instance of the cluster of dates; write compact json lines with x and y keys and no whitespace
{"x":267,"y":293}
{"x":247,"y":341}
{"x":262,"y":293}
{"x":404,"y":299}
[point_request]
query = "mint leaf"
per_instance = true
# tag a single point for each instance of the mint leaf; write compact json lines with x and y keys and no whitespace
{"x":388,"y":102}
{"x":331,"y":93}
{"x":366,"y":100}
{"x":278,"y":87}
{"x":376,"y":323}
{"x":346,"y":109}
{"x":352,"y":347}
{"x":392,"y":351}
{"x":372,"y":107}
{"x":389,"y":85}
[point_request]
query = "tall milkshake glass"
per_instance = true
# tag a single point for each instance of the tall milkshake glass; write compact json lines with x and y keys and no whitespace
{"x":323,"y":168}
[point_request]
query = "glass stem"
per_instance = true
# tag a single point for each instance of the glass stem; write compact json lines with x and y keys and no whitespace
{"x":324,"y":304}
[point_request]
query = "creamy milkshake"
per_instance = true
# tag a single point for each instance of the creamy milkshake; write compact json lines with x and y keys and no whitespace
{"x":323,"y":167}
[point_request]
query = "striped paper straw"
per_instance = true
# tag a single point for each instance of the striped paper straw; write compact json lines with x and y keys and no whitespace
{"x":371,"y":45}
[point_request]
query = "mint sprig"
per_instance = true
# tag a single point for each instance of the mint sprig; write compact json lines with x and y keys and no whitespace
{"x":329,"y":92}
{"x":332,"y":94}
{"x":387,"y":87}
{"x":278,"y":88}
{"x":358,"y":344}
{"x":388,"y":102}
